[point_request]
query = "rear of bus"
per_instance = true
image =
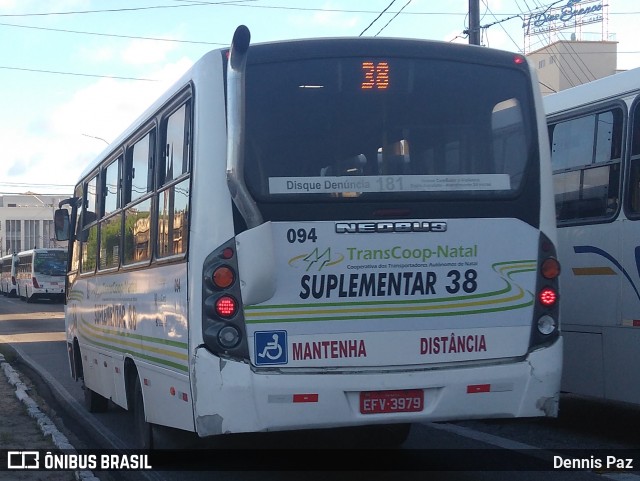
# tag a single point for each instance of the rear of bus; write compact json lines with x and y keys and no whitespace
{"x":396,"y":262}
{"x":48,"y":276}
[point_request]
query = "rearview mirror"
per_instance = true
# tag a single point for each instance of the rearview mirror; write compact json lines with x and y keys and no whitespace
{"x":61,"y":224}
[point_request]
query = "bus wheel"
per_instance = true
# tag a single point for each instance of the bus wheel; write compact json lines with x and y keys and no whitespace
{"x":94,"y":402}
{"x":143,"y":429}
{"x":27,"y":297}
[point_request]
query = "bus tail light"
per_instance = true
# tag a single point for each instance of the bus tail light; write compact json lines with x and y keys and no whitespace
{"x":35,"y":283}
{"x":223,"y":323}
{"x":226,"y":306}
{"x":550,"y":268}
{"x":545,"y":327}
{"x":229,"y":337}
{"x":547,"y":297}
{"x":223,"y":277}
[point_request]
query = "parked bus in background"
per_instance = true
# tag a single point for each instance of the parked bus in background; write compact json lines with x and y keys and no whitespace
{"x":594,"y":130}
{"x":8,"y":279}
{"x":361,"y":233}
{"x":41,"y":274}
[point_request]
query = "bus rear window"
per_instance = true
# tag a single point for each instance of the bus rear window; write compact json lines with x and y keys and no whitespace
{"x":350,"y":127}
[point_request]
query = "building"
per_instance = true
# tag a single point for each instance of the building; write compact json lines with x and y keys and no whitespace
{"x":26,"y":221}
{"x":567,"y":63}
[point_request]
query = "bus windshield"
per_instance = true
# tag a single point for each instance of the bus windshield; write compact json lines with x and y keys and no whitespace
{"x":385,"y":128}
{"x":51,"y":263}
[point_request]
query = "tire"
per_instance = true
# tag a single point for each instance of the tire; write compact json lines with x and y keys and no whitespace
{"x":94,"y":402}
{"x":143,"y":429}
{"x":27,"y":297}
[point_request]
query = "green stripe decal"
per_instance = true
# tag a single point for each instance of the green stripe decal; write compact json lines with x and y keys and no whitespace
{"x":124,"y":342}
{"x":511,"y":297}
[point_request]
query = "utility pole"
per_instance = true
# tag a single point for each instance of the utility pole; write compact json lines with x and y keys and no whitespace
{"x":474,"y":22}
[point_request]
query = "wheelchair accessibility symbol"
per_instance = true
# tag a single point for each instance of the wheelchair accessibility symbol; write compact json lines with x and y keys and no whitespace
{"x":270,"y":347}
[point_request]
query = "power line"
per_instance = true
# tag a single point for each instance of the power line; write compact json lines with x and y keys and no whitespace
{"x":379,"y":15}
{"x":134,"y":37}
{"x":545,"y":85}
{"x":392,"y":18}
{"x":77,"y":74}
{"x":114,"y":10}
{"x":242,"y":4}
{"x":499,"y":22}
{"x":30,"y":184}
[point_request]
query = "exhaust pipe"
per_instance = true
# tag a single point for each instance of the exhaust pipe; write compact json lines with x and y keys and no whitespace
{"x":236,"y":128}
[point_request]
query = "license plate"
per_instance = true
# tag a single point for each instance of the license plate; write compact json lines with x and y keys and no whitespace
{"x":54,"y":283}
{"x":401,"y":401}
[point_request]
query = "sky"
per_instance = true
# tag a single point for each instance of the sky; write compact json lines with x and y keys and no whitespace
{"x":75,"y":73}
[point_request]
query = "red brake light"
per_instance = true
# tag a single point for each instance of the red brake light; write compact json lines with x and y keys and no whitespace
{"x":518,"y":59}
{"x":35,"y":283}
{"x":226,"y":306}
{"x":547,"y":297}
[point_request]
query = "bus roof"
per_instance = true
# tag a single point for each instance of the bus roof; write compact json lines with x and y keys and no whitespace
{"x":613,"y":86}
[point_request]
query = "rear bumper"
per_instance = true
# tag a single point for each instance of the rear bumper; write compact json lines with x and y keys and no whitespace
{"x":273,"y":402}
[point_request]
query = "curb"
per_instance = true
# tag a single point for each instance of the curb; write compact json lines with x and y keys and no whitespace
{"x":45,"y":424}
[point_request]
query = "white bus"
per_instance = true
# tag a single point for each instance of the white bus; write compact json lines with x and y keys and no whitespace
{"x":41,"y":274}
{"x":8,"y":278}
{"x":321,"y":233}
{"x":594,"y":131}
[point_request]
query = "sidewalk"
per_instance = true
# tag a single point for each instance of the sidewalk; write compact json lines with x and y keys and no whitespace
{"x":24,"y":426}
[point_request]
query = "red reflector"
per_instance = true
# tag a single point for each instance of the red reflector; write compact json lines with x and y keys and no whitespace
{"x":227,"y":253}
{"x":226,"y":306}
{"x":547,"y":297}
{"x":223,"y":277}
{"x":635,"y":323}
{"x":185,"y":397}
{"x":475,"y":388}
{"x":305,"y":398}
{"x":550,"y":268}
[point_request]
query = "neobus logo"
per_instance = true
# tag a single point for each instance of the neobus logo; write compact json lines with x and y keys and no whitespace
{"x":406,"y":226}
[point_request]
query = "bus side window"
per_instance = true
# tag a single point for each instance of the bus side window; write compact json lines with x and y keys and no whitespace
{"x":634,"y":171}
{"x":586,"y":158}
{"x":174,"y":183}
{"x":89,"y":235}
{"x":139,"y":168}
{"x":137,"y":224}
{"x":76,"y":225}
{"x":111,"y":223}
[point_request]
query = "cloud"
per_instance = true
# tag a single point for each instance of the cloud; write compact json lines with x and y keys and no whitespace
{"x":326,"y":18}
{"x":32,"y":6}
{"x":144,"y":52}
{"x":56,"y":146}
{"x":96,"y":55}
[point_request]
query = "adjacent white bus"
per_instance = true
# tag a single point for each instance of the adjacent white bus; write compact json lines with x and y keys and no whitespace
{"x":594,"y":131}
{"x":8,"y":277}
{"x":41,"y":274}
{"x":321,"y":233}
